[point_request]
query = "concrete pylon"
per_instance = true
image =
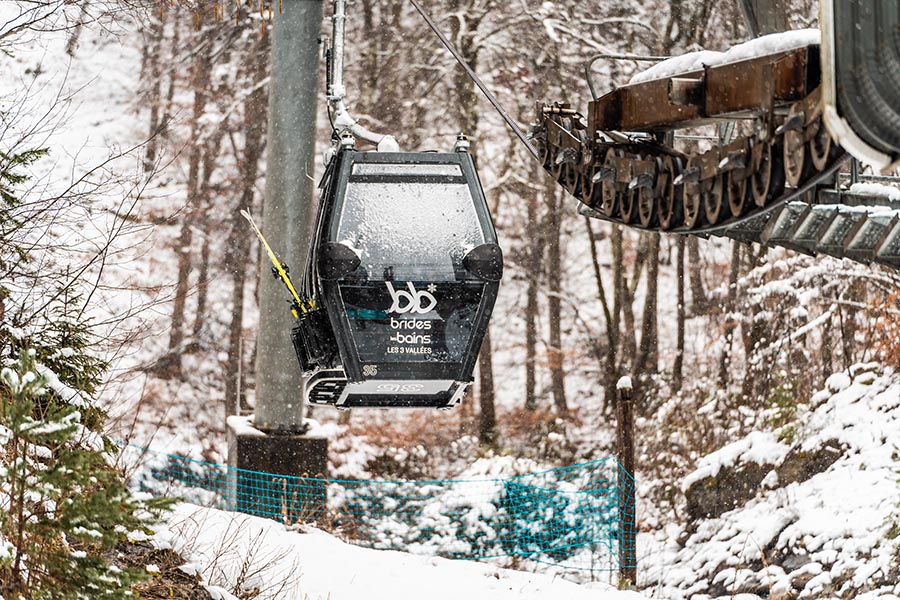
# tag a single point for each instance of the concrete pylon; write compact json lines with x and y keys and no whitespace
{"x":289,"y":208}
{"x":271,"y":452}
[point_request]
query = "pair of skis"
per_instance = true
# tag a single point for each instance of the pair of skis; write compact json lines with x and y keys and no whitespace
{"x":280,"y":271}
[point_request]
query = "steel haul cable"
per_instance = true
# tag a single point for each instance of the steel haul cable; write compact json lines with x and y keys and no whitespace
{"x":477,"y":80}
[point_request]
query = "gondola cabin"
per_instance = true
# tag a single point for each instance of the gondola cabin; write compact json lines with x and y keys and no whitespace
{"x":406,"y":268}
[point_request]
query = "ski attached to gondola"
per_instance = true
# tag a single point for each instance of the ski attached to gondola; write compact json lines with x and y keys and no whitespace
{"x":280,"y":271}
{"x":311,"y":335}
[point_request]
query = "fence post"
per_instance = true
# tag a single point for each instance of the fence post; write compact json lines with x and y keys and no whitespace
{"x":625,"y":452}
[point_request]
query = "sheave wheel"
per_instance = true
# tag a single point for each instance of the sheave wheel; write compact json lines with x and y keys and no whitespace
{"x":647,"y":198}
{"x":670,"y":208}
{"x":714,"y":198}
{"x":628,"y":205}
{"x":767,"y":181}
{"x":736,"y":192}
{"x":589,"y":189}
{"x":797,"y":164}
{"x":608,"y":187}
{"x":692,"y":200}
{"x":820,"y":145}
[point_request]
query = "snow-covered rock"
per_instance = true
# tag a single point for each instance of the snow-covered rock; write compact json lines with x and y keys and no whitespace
{"x":823,"y":526}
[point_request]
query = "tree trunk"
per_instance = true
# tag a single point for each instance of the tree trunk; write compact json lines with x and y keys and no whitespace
{"x":170,"y":90}
{"x":677,"y":368}
{"x":153,"y":59}
{"x":851,"y":322}
{"x":646,"y":363}
{"x":468,"y":116}
{"x":534,"y":261}
{"x":554,"y":290}
{"x":612,"y":375}
{"x":531,"y":309}
{"x":648,"y":353}
{"x":237,"y":253}
{"x":210,"y":155}
{"x":202,"y":284}
{"x":487,"y":419}
{"x":75,"y":33}
{"x":699,"y":301}
{"x":626,"y":305}
{"x":467,"y":413}
{"x":200,"y":82}
{"x":730,"y":322}
{"x":612,"y":324}
{"x":826,"y":350}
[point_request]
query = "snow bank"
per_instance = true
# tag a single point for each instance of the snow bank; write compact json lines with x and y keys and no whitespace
{"x":695,"y":61}
{"x":826,"y":536}
{"x":289,"y":564}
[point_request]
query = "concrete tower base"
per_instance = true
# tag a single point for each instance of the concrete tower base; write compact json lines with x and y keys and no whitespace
{"x":276,"y":475}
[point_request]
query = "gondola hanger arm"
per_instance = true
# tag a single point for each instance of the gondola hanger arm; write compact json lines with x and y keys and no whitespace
{"x":343,"y":121}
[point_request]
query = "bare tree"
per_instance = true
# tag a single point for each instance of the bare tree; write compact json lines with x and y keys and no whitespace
{"x":237,"y":251}
{"x":554,"y":292}
{"x":534,"y":258}
{"x":200,"y":80}
{"x":699,"y":300}
{"x":729,"y":308}
{"x":678,"y":366}
{"x":611,"y":319}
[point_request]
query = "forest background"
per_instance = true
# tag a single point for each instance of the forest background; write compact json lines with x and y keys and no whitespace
{"x":721,"y":338}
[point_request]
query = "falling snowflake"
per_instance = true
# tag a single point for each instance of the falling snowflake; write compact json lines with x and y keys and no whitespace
{"x":432,"y":288}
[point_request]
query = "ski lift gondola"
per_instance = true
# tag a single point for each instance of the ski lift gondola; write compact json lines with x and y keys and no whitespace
{"x":402,"y":277}
{"x":402,"y":273}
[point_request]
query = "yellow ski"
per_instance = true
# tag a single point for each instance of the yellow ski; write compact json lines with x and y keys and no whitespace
{"x":279,"y":268}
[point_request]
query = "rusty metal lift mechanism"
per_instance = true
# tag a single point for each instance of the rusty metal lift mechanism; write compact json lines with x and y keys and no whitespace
{"x":773,"y":185}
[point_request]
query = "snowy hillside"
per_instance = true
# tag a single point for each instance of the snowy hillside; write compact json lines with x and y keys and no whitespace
{"x":817,"y":505}
{"x":301,"y":564}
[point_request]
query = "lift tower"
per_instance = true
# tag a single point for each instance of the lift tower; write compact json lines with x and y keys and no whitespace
{"x":765,"y":16}
{"x":274,"y":441}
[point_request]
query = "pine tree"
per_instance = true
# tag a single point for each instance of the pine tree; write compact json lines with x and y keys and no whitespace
{"x":63,"y":504}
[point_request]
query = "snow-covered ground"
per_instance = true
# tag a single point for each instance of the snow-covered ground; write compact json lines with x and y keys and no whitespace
{"x":290,"y":564}
{"x":804,"y":533}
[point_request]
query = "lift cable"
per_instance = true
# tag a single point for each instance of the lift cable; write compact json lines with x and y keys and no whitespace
{"x":474,"y":77}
